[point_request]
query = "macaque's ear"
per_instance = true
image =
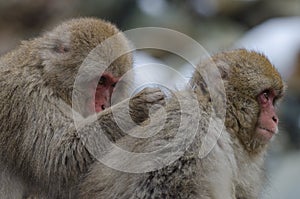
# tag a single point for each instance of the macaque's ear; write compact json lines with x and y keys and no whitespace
{"x":223,"y":68}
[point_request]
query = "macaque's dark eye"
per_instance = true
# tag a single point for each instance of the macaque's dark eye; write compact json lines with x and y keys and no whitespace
{"x":102,"y":80}
{"x":264,"y":97}
{"x":266,"y":94}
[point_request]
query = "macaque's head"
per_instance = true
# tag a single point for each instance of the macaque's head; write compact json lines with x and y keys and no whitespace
{"x":253,"y":87}
{"x":78,"y":50}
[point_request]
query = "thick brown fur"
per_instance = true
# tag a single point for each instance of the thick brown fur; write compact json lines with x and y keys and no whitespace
{"x":41,"y":151}
{"x":232,"y":169}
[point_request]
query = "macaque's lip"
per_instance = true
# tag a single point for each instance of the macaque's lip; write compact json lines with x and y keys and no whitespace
{"x":266,"y":133}
{"x":266,"y":129}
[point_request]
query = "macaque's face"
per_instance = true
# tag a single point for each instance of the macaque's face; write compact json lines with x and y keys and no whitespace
{"x":253,"y":87}
{"x":104,"y":90}
{"x":267,"y":124}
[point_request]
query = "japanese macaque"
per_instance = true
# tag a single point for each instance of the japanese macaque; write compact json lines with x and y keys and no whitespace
{"x":42,"y":152}
{"x":231,"y":168}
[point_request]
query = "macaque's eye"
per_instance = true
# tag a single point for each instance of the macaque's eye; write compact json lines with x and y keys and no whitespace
{"x":266,"y":94}
{"x":102,"y":81}
{"x":264,"y":97}
{"x":114,"y":84}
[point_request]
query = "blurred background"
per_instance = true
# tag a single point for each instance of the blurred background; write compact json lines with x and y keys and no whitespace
{"x":269,"y":26}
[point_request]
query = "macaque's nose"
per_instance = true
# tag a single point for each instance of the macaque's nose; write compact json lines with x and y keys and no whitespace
{"x":275,"y":119}
{"x":106,"y":104}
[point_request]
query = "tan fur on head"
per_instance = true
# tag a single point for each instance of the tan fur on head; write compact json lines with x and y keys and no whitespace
{"x":250,"y":73}
{"x":245,"y":74}
{"x":71,"y":42}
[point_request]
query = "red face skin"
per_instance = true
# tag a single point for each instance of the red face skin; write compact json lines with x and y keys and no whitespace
{"x":268,"y":120}
{"x":103,"y":93}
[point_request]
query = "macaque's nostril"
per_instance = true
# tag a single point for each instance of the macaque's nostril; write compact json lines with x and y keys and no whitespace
{"x":275,"y":119}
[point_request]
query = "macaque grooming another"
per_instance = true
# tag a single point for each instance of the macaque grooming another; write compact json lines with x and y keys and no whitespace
{"x":42,"y":152}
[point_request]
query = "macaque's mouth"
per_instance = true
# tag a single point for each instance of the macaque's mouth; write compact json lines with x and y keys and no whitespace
{"x":266,"y":133}
{"x":270,"y":131}
{"x":101,"y":100}
{"x":97,"y":102}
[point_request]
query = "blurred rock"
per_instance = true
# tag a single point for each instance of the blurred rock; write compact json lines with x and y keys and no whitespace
{"x":279,"y":39}
{"x":25,"y":19}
